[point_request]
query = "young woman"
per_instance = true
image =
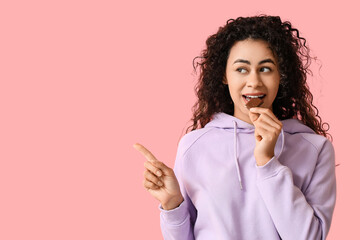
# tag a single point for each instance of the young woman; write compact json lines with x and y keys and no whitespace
{"x":263,"y":172}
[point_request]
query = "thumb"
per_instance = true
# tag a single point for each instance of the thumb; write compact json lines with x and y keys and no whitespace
{"x":253,"y":116}
{"x":162,"y":166}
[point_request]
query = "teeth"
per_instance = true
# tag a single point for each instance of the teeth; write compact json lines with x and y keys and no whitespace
{"x":254,"y":96}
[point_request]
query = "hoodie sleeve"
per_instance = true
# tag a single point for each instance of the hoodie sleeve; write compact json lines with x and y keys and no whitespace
{"x":297,"y":214}
{"x":177,"y":223}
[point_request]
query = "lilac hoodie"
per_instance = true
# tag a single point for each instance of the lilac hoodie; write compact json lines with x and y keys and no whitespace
{"x":227,"y":196}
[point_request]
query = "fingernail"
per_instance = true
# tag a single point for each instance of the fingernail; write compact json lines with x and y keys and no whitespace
{"x":158,"y":173}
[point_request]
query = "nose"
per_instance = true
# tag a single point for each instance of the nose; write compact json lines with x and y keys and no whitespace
{"x":254,"y":80}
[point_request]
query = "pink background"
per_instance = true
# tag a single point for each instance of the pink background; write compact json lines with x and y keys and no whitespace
{"x":81,"y":81}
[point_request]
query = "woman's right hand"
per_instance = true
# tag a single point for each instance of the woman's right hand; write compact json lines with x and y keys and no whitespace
{"x":160,"y":180}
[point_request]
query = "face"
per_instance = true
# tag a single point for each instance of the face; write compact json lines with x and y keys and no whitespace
{"x":251,"y":69}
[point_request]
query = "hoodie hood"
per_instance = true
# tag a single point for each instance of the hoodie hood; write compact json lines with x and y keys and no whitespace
{"x":225,"y":121}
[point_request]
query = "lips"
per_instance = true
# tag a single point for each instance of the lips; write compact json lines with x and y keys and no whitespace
{"x":247,"y":97}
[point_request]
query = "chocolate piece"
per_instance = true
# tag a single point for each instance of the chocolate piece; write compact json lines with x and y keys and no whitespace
{"x":254,"y":102}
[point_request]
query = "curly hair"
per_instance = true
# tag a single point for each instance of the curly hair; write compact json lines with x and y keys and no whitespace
{"x":293,"y":100}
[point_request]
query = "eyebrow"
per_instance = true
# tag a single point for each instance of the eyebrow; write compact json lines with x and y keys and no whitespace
{"x":268,"y":60}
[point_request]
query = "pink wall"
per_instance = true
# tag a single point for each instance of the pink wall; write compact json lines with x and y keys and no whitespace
{"x":81,"y":81}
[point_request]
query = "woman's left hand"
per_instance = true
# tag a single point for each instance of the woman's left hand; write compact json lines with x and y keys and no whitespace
{"x":267,"y":131}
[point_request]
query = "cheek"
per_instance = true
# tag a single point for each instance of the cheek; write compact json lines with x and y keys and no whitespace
{"x":235,"y":88}
{"x":272,"y":87}
{"x":276,"y":89}
{"x":274,"y":92}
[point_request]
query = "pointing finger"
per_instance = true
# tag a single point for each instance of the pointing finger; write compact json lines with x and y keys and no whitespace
{"x":149,"y":156}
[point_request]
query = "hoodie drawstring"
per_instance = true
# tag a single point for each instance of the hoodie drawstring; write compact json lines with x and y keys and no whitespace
{"x":235,"y":150}
{"x":235,"y":156}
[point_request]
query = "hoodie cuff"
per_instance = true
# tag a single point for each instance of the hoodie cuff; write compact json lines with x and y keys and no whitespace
{"x":174,"y":216}
{"x":271,"y":168}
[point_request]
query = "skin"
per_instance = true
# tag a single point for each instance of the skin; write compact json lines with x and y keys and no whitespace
{"x":160,"y":180}
{"x":256,"y":72}
{"x":250,"y":76}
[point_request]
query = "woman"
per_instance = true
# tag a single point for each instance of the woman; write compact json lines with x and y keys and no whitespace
{"x":249,"y":172}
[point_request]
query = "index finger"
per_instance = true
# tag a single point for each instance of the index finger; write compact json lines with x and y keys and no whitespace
{"x":261,"y":110}
{"x":149,"y":156}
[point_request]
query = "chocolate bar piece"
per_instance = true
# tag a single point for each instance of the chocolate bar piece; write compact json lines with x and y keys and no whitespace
{"x":254,"y":102}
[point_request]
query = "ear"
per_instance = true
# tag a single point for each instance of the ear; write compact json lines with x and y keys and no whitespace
{"x":224,"y":81}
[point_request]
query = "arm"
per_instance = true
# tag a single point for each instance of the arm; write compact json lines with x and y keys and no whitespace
{"x":299,"y":215}
{"x":178,"y":223}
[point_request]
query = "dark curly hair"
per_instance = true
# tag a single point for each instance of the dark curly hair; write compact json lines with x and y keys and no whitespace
{"x":293,"y":100}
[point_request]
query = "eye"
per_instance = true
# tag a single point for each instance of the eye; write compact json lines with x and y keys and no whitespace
{"x":241,"y":70}
{"x":265,"y":69}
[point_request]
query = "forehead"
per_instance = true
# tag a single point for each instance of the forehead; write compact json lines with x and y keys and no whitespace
{"x":251,"y":49}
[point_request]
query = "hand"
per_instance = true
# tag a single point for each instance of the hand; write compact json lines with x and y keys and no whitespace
{"x":267,"y":131}
{"x":160,"y":180}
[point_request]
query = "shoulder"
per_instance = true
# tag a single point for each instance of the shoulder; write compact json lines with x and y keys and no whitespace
{"x":319,"y":142}
{"x":301,"y":135}
{"x":191,"y":138}
{"x":313,"y":148}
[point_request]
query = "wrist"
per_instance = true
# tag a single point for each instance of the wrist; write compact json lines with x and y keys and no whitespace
{"x":173,"y":203}
{"x":261,"y":161}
